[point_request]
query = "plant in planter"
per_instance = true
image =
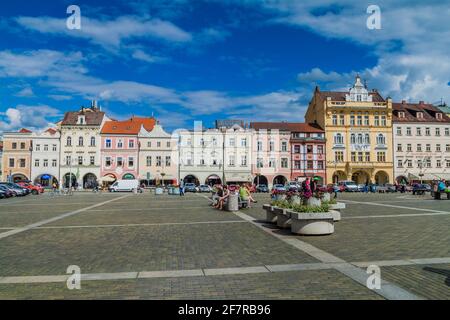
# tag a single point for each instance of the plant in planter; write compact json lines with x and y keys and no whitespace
{"x":294,"y":197}
{"x":278,"y":195}
{"x":311,"y":220}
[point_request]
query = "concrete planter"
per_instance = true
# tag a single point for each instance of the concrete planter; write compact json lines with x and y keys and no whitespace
{"x":283,"y":218}
{"x":336,"y":215}
{"x":296,"y":200}
{"x":337,"y":206}
{"x":271,"y":217}
{"x":313,"y":202}
{"x":312,"y":224}
{"x":326,"y":197}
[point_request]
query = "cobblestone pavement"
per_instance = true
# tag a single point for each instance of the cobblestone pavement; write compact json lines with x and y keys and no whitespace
{"x":165,"y":233}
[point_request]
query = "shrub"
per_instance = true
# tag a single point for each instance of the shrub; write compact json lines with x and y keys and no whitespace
{"x":314,"y":209}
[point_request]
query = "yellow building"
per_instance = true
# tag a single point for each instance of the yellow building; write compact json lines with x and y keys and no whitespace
{"x":358,"y":129}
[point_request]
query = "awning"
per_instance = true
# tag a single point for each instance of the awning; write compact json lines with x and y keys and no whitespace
{"x":440,"y":176}
{"x":107,"y":179}
{"x":426,"y":176}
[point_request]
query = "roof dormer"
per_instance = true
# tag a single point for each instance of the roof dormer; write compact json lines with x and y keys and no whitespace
{"x":419,"y":115}
{"x":81,"y":119}
{"x":439,"y":116}
{"x":358,"y":92}
{"x":401,"y":114}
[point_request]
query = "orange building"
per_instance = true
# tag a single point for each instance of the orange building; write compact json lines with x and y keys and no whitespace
{"x":16,"y":164}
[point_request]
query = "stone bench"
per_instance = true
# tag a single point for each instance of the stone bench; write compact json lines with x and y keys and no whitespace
{"x":283,"y":217}
{"x":271,"y":217}
{"x":335,"y":210}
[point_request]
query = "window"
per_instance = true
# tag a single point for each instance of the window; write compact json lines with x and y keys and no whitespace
{"x":381,"y":156}
{"x":341,"y":120}
{"x":92,"y":141}
{"x":271,"y":145}
{"x":359,"y":120}
{"x":428,"y":147}
{"x":399,"y":131}
{"x":54,"y":163}
{"x":309,"y":148}
{"x":367,"y":138}
{"x":338,"y":139}
{"x":158,"y":143}
{"x":120,"y":144}
{"x":438,"y":132}
{"x":447,"y":148}
{"x":272,"y":163}
{"x":243,"y":142}
{"x":259,"y":163}
{"x":418,"y":131}
{"x":447,"y":131}
{"x":11,"y":162}
{"x":320,"y":165}
{"x":381,"y":139}
{"x":339,"y":156}
{"x":360,"y":138}
{"x":22,"y":145}
{"x":352,"y":119}
{"x":231,"y":161}
{"x":168,"y":161}
{"x":439,"y":116}
{"x":309,"y":165}
{"x":383,"y":121}
{"x":419,"y":115}
{"x":92,"y":160}
{"x":284,"y":162}
{"x":45,"y":147}
{"x":353,"y":156}
{"x":320,"y":149}
{"x":447,"y":163}
{"x":296,"y":148}
{"x":334,"y":120}
{"x":54,"y":147}
{"x":168,"y":144}
{"x":284,"y":146}
{"x":399,"y":147}
{"x":259,"y":145}
{"x":408,"y":131}
{"x":377,"y":120}
{"x":409,"y":147}
{"x":419,"y":147}
{"x":14,"y":145}
{"x":297,"y":164}
{"x":45,"y":163}
{"x":108,"y":143}
{"x":367,"y":156}
{"x":352,"y":138}
{"x":243,"y":160}
{"x":159,"y":161}
{"x":438,"y":148}
{"x":38,"y":147}
{"x":149,"y":144}
{"x":232,"y":142}
{"x":68,"y":160}
{"x":80,"y":141}
{"x":427,"y":132}
{"x":409,"y":163}
{"x":22,"y":163}
{"x":80,"y":160}
{"x":401,"y":114}
{"x":149,"y":161}
{"x":399,"y":163}
{"x":108,"y":162}
{"x":130,"y":144}
{"x":36,"y":163}
{"x":130,"y":162}
{"x":438,"y":163}
{"x":119,"y":161}
{"x":366,"y":120}
{"x":69,"y":142}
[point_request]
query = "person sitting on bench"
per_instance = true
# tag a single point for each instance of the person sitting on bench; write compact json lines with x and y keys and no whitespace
{"x":222,"y":194}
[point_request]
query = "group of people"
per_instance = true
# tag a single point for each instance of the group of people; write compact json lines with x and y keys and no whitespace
{"x":221,"y":195}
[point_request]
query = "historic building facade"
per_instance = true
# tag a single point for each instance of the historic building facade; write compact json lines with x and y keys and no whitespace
{"x":219,"y":155}
{"x":421,"y":142}
{"x":80,"y":146}
{"x":17,"y":155}
{"x":45,"y":157}
{"x":120,"y":148}
{"x":358,"y":132}
{"x":158,"y":157}
{"x":287,"y":152}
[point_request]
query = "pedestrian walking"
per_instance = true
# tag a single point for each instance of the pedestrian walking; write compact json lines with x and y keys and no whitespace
{"x":181,"y":188}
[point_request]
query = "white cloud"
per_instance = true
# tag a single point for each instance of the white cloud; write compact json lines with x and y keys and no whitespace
{"x":25,"y":93}
{"x":109,"y":33}
{"x":30,"y":117}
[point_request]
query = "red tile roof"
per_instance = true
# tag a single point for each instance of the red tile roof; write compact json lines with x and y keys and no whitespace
{"x":340,"y":95}
{"x":51,"y":130}
{"x":131,"y":126}
{"x":287,"y":126}
{"x":411,"y":109}
{"x":93,"y":118}
{"x":23,"y":130}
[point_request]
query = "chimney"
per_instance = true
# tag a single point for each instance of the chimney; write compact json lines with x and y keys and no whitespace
{"x":421,"y":102}
{"x":94,"y":104}
{"x":403,"y":101}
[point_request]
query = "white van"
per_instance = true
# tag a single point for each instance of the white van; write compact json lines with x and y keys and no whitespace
{"x":125,"y":185}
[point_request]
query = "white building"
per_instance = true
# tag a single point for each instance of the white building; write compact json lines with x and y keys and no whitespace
{"x":80,"y":146}
{"x":45,"y":157}
{"x":158,"y":157}
{"x":421,"y":142}
{"x":220,"y":155}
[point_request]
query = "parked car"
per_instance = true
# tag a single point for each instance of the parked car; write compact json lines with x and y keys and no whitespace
{"x":18,"y":190}
{"x":279,"y":187}
{"x":2,"y":194}
{"x":262,"y":188}
{"x":328,"y":188}
{"x":420,"y":189}
{"x":349,"y":186}
{"x":190,"y":187}
{"x":125,"y":186}
{"x":390,"y":187}
{"x":204,"y":188}
{"x":34,"y":189}
{"x":7,"y":191}
{"x":361,"y":187}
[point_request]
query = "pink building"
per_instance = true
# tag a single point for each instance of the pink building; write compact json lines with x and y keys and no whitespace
{"x":120,"y":148}
{"x":287,"y":152}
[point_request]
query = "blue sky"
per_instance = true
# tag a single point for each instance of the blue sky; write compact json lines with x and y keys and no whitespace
{"x":205,"y":60}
